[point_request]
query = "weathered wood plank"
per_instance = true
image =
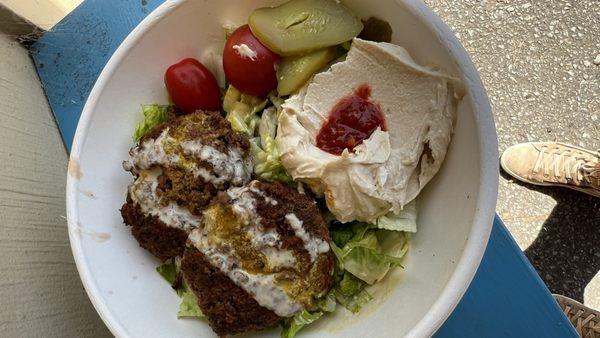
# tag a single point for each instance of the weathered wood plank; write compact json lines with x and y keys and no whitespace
{"x":14,"y":25}
{"x":40,"y":291}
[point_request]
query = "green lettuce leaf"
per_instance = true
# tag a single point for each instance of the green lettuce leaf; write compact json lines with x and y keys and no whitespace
{"x":291,"y":326}
{"x":406,"y":220}
{"x":267,"y":166}
{"x":327,"y":303}
{"x":277,"y":101}
{"x":189,"y":306}
{"x":168,"y":271}
{"x":371,"y":258}
{"x":154,"y":114}
{"x":242,"y":110}
{"x":349,"y":285}
{"x":341,"y":236}
{"x":267,"y":127}
{"x":243,"y":114}
{"x":189,"y":302}
{"x":370,"y":252}
{"x":355,"y":303}
{"x":242,"y":119}
{"x":393,"y":244}
{"x":350,"y":292}
{"x":368,"y":264}
{"x":339,"y":256}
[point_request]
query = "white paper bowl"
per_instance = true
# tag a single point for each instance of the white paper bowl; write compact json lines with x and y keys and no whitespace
{"x":456,"y":209}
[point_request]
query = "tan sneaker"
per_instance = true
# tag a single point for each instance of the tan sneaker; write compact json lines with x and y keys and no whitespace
{"x":585,"y":320}
{"x":554,"y":164}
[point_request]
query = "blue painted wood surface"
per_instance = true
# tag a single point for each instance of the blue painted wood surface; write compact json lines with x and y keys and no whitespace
{"x":71,"y":56}
{"x":506,"y":299}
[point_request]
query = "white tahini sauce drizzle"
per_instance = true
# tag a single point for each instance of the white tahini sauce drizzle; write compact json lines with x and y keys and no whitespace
{"x":300,"y":188}
{"x":150,"y":153}
{"x":267,"y":241}
{"x":314,"y":246}
{"x":227,"y":167}
{"x":279,"y":258}
{"x":246,"y":52}
{"x":230,"y":167}
{"x":263,"y":195}
{"x":243,"y":204}
{"x":143,"y":192}
{"x":262,"y":287}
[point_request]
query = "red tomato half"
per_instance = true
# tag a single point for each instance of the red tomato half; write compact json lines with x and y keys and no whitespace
{"x":192,"y":86}
{"x":248,"y":64}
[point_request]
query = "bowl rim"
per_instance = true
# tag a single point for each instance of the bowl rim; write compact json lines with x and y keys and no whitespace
{"x":475,"y":246}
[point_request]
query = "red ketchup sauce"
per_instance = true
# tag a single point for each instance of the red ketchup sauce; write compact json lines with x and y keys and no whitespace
{"x":351,"y":121}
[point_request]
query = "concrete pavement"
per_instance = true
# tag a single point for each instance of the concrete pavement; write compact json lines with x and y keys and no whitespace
{"x":540,"y":63}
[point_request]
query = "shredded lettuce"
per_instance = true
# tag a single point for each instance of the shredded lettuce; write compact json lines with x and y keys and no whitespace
{"x":368,"y":264}
{"x":189,"y":303}
{"x":242,"y":112}
{"x":369,"y":250}
{"x":406,"y":220}
{"x":364,"y":255}
{"x":154,"y":114}
{"x":168,"y":271}
{"x":327,"y":303}
{"x":267,"y":127}
{"x":242,"y":119}
{"x":277,"y":101}
{"x":342,"y":236}
{"x":189,"y":306}
{"x":350,"y":292}
{"x":370,"y":253}
{"x":267,"y":166}
{"x":290,"y":327}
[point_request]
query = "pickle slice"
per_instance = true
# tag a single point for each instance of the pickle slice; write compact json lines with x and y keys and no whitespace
{"x":294,"y":71}
{"x":300,"y":26}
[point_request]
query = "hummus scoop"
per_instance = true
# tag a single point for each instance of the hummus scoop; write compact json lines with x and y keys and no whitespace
{"x":386,"y":170}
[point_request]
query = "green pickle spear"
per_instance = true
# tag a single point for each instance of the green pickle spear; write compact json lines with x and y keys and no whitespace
{"x":294,"y":71}
{"x":301,"y":26}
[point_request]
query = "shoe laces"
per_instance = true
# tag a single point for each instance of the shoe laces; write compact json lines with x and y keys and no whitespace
{"x":566,"y":165}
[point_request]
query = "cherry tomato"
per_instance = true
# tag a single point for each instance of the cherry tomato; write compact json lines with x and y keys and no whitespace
{"x":248,"y":64}
{"x":192,"y":86}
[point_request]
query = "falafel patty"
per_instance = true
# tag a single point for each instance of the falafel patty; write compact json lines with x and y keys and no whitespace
{"x":261,"y":254}
{"x":179,"y":166}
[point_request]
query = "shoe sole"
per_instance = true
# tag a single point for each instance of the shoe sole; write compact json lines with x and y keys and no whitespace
{"x":585,"y":320}
{"x":589,"y":191}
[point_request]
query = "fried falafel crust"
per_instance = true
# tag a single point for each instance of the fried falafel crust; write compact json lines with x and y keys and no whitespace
{"x":152,"y":234}
{"x":229,"y":308}
{"x":181,"y":186}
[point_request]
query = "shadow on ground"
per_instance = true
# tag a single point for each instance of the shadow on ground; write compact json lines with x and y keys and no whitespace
{"x":566,"y":253}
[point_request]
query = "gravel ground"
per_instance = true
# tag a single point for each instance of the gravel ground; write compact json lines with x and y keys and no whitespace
{"x":540,"y":62}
